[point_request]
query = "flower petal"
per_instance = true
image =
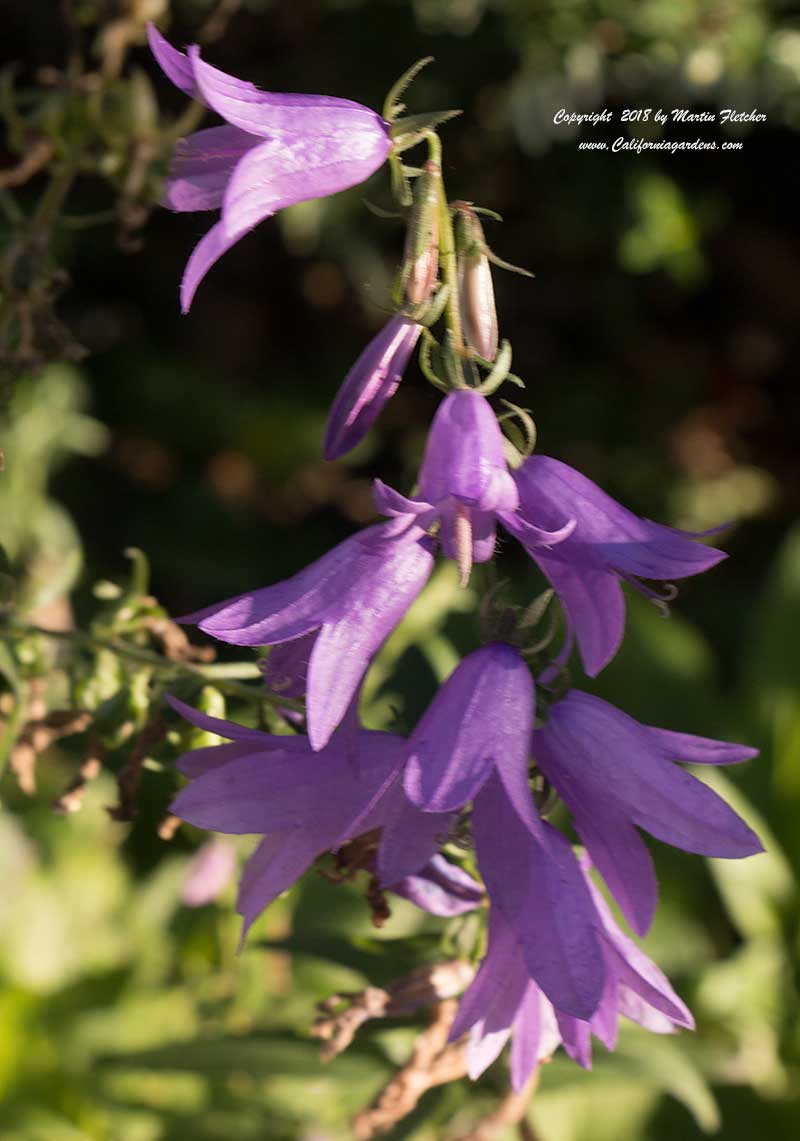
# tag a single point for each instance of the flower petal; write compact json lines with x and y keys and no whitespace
{"x":699,"y":750}
{"x":440,"y":888}
{"x":479,"y":717}
{"x":202,"y":165}
{"x":410,"y":838}
{"x":465,"y":456}
{"x":208,"y":250}
{"x":175,"y":65}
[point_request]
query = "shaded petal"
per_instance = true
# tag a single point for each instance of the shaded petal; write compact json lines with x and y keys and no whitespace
{"x":390,"y":502}
{"x":538,"y":887}
{"x":369,"y":384}
{"x":175,"y":65}
{"x":277,"y":863}
{"x":229,"y":729}
{"x":698,"y":750}
{"x":622,"y":859}
{"x":198,"y":761}
{"x":201,"y":166}
{"x":498,"y":987}
{"x":478,"y":718}
{"x":576,"y":1038}
{"x":441,"y":888}
{"x":410,"y":838}
{"x":527,"y":1036}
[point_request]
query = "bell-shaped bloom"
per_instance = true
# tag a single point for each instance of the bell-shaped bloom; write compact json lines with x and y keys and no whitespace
{"x":465,"y":484}
{"x":303,"y":803}
{"x":616,"y":775}
{"x":473,"y":745}
{"x":369,"y":385}
{"x":352,"y":597}
{"x":504,"y":1001}
{"x":211,"y":869}
{"x":275,"y":150}
{"x":608,"y":543}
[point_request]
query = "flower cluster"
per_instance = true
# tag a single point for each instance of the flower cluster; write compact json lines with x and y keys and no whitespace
{"x":557,"y":967}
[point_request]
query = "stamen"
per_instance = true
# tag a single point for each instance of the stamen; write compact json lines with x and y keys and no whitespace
{"x":463,"y":537}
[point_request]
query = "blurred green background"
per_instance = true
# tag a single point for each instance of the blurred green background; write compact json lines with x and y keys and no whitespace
{"x":657,"y":342}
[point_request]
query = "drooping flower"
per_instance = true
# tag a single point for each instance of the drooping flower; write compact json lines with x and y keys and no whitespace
{"x":504,"y":1001}
{"x":465,"y":484}
{"x":608,"y":543}
{"x":616,"y":775}
{"x":352,"y":597}
{"x":473,"y":745}
{"x":209,"y":873}
{"x":369,"y":385}
{"x":303,"y":803}
{"x":275,"y":150}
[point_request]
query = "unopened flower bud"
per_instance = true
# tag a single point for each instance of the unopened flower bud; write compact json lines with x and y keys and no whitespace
{"x":421,"y":255}
{"x":476,"y":291}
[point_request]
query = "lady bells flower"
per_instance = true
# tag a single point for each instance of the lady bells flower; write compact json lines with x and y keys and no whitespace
{"x":465,"y":485}
{"x":616,"y":775}
{"x":504,"y":1001}
{"x":274,"y":151}
{"x":350,"y":599}
{"x":608,"y":543}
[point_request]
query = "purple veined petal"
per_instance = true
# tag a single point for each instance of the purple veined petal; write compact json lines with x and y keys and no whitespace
{"x":296,"y":606}
{"x":499,"y":984}
{"x":623,"y":860}
{"x":633,"y":969}
{"x":272,"y":790}
{"x":369,"y":385}
{"x":527,"y":1037}
{"x":211,"y":869}
{"x":576,"y":1038}
{"x":604,"y":1023}
{"x":229,"y":729}
{"x":594,"y":606}
{"x":277,"y":863}
{"x":440,"y":888}
{"x":392,"y":503}
{"x":627,"y":543}
{"x":208,"y":250}
{"x":533,"y":538}
{"x":201,"y":167}
{"x":390,"y":577}
{"x":589,"y":743}
{"x":698,"y":750}
{"x":287,"y":666}
{"x":175,"y":65}
{"x":537,"y":885}
{"x":268,"y":113}
{"x":197,"y":762}
{"x":465,"y":456}
{"x":637,"y":1010}
{"x":410,"y":838}
{"x":479,"y":717}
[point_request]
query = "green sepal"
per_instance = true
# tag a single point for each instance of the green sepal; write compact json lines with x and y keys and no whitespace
{"x":499,"y":371}
{"x":392,"y":107}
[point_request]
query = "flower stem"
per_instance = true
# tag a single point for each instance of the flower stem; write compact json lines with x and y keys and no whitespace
{"x":447,"y":251}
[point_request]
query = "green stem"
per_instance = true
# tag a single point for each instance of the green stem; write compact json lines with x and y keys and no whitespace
{"x":222,"y":674}
{"x":447,"y":251}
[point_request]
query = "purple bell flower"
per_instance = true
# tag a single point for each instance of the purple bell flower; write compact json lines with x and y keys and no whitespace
{"x":616,"y":775}
{"x":473,"y":744}
{"x":369,"y":385}
{"x":275,"y":150}
{"x":465,"y":484}
{"x":608,"y":543}
{"x":303,"y":803}
{"x":505,"y":1002}
{"x":351,"y":598}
